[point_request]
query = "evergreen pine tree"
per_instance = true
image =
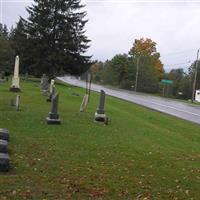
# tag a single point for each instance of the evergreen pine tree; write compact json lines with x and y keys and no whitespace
{"x":56,"y":41}
{"x":19,"y":42}
{"x":6,"y":52}
{"x":4,"y":30}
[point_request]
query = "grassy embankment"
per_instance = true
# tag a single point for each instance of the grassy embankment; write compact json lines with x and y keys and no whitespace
{"x":141,"y":154}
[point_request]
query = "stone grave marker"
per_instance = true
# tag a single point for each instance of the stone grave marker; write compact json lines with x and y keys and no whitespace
{"x":4,"y":162}
{"x":17,"y":104}
{"x":53,"y":114}
{"x":26,"y":76}
{"x":52,"y":90}
{"x":4,"y":134}
{"x":84,"y":103}
{"x":100,"y":115}
{"x":44,"y":85}
{"x":51,"y":86}
{"x":15,"y":80}
{"x":3,"y":146}
{"x":2,"y":78}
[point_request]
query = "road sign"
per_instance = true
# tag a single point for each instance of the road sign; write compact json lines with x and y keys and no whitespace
{"x":164,"y":81}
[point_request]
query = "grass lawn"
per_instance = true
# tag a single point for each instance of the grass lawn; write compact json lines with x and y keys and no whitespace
{"x":141,"y":154}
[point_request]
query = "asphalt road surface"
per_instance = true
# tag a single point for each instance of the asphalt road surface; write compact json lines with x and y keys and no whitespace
{"x":176,"y":108}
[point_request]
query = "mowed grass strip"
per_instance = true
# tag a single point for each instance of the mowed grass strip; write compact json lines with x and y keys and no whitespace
{"x":141,"y":154}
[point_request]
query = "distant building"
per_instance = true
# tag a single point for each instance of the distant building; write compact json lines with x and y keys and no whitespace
{"x":197,"y":95}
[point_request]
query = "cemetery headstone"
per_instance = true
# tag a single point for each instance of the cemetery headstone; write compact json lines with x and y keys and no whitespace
{"x":15,"y":80}
{"x":26,"y":76}
{"x":51,"y":86}
{"x":52,"y":90}
{"x":3,"y":146}
{"x":84,"y":103}
{"x":4,"y":134}
{"x":44,"y":85}
{"x":2,"y":78}
{"x":100,"y":115}
{"x":17,"y":104}
{"x":4,"y":162}
{"x":53,"y":114}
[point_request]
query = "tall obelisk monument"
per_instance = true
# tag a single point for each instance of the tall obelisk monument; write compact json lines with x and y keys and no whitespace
{"x":15,"y":80}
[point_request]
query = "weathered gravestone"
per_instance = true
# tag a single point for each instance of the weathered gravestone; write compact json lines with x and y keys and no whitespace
{"x":52,"y":90}
{"x":2,"y":78}
{"x":3,"y":146}
{"x":53,"y":114}
{"x":44,"y":85}
{"x":51,"y":86}
{"x":26,"y":76}
{"x":4,"y":162}
{"x":84,"y":103}
{"x":15,"y":80}
{"x":100,"y":115}
{"x":4,"y":134}
{"x":15,"y":102}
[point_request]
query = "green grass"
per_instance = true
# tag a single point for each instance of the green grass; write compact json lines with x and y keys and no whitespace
{"x":140,"y":155}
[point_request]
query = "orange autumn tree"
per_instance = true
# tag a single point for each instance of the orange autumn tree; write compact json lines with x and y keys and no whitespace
{"x":147,"y":48}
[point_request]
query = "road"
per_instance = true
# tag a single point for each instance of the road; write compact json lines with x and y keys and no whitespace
{"x":172,"y":107}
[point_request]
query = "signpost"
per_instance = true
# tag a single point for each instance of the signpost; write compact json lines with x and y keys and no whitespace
{"x":166,"y":83}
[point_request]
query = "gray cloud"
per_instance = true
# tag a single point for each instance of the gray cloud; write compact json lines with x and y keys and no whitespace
{"x":113,"y":26}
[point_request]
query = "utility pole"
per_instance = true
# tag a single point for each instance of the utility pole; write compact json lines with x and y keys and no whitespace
{"x":195,"y":77}
{"x":90,"y":82}
{"x":137,"y":71}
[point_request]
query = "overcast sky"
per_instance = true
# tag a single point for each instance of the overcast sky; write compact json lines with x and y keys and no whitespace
{"x":115,"y":24}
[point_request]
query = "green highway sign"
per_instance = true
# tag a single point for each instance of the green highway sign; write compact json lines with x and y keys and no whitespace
{"x":164,"y":81}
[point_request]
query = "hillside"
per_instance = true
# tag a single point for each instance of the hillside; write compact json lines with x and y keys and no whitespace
{"x":141,"y":154}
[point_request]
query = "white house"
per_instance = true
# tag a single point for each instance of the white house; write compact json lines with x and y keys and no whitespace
{"x":197,"y":95}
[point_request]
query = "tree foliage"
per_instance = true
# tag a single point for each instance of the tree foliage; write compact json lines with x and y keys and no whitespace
{"x":52,"y":40}
{"x":146,"y":48}
{"x":6,"y":52}
{"x":121,"y":69}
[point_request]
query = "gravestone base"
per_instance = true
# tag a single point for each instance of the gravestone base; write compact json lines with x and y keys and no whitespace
{"x":100,"y":117}
{"x":4,"y":134}
{"x":53,"y":118}
{"x":14,"y":89}
{"x":53,"y":121}
{"x":3,"y":146}
{"x":4,"y":162}
{"x":53,"y":115}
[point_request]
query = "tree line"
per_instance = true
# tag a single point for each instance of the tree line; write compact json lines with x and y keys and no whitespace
{"x":142,"y":64}
{"x":144,"y":60}
{"x":52,"y":40}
